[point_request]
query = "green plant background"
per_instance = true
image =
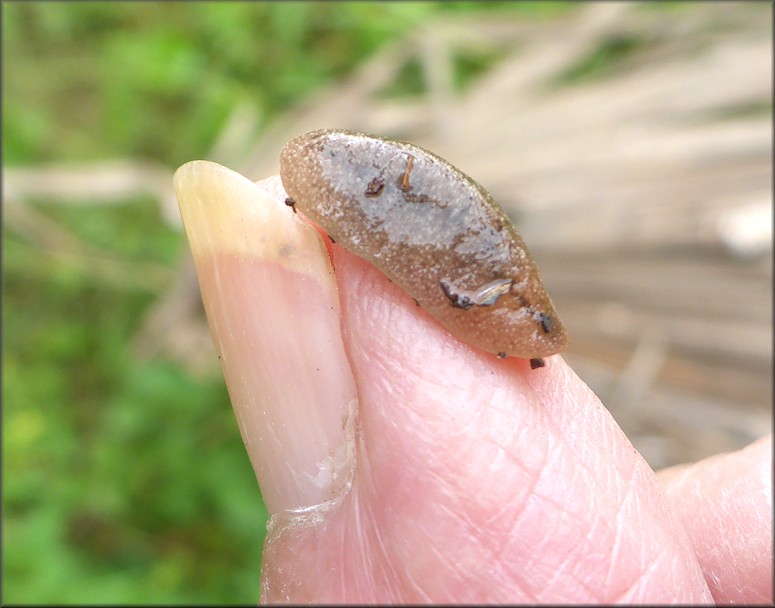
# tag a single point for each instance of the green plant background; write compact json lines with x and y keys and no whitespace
{"x":127,"y":482}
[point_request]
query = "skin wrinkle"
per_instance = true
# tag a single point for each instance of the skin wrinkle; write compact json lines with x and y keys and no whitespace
{"x":419,"y":424}
{"x":640,"y":582}
{"x":505,"y":455}
{"x":596,"y":553}
{"x":416,"y":566}
{"x":442,"y":482}
{"x":423,"y":463}
{"x":415,"y":585}
{"x":505,"y":507}
{"x":735,"y":516}
{"x":511,"y":536}
{"x":554,"y":458}
{"x":354,"y":503}
{"x":531,"y":507}
{"x":440,"y":388}
{"x":637,"y":472}
{"x":563,"y":437}
{"x":362,"y":545}
{"x":562,"y":569}
{"x":566,"y":426}
{"x":443,"y":560}
{"x":616,"y":546}
{"x":392,"y":581}
{"x":393,"y":576}
{"x":424,"y":379}
{"x":390,"y":585}
{"x":417,"y":420}
{"x":471,"y":527}
{"x":561,"y":508}
{"x":493,"y":557}
{"x":485,"y":411}
{"x":582,"y":464}
{"x":592,"y":589}
{"x":543,"y":572}
{"x":389,"y":307}
{"x":558,"y":433}
{"x":482,"y":395}
{"x":497,"y":409}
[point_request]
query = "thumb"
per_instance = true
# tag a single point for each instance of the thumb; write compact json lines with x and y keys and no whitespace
{"x":477,"y":479}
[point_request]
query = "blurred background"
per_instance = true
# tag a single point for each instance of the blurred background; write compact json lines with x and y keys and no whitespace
{"x":631,"y":143}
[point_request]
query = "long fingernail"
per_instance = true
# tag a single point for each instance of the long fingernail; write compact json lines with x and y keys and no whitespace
{"x":271,"y":300}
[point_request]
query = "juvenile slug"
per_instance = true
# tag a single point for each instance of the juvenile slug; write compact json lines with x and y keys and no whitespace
{"x":430,"y":228}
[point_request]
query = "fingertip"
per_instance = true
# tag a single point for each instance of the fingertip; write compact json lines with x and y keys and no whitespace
{"x":725,"y":504}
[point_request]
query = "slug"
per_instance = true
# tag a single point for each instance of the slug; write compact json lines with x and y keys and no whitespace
{"x":432,"y":230}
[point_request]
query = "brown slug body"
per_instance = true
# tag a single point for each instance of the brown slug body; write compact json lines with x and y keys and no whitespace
{"x":430,"y":228}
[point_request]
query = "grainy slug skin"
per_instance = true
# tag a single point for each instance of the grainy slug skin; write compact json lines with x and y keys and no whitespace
{"x":433,"y":230}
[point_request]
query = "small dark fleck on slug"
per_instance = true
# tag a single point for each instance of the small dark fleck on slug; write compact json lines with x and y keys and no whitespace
{"x":433,"y":230}
{"x":375,"y":187}
{"x":502,"y":355}
{"x":536,"y":363}
{"x":456,"y":299}
{"x":291,"y":203}
{"x":486,"y":295}
{"x":330,"y":238}
{"x":546,"y":322}
{"x":407,"y":171}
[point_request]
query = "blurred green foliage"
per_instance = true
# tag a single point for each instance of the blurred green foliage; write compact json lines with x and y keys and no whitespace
{"x":127,"y":481}
{"x":90,"y":80}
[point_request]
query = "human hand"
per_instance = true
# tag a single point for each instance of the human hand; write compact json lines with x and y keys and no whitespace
{"x":400,"y":465}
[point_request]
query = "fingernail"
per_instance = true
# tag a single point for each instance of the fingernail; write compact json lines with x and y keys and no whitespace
{"x":271,"y":300}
